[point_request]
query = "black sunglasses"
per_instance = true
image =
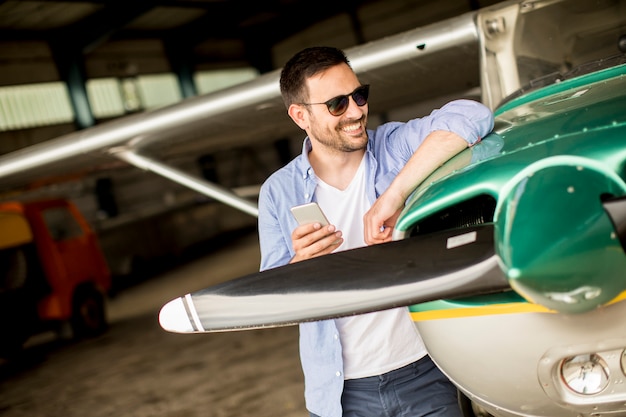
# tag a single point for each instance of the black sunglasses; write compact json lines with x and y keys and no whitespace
{"x":338,"y":105}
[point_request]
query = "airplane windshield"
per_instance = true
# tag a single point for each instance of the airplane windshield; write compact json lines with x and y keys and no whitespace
{"x":537,"y":43}
{"x":558,"y":77}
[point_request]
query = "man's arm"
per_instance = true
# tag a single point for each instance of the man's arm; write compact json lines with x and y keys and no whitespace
{"x":278,"y":248}
{"x":438,"y":147}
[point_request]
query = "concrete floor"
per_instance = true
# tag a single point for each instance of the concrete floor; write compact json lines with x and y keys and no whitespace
{"x":137,"y":369}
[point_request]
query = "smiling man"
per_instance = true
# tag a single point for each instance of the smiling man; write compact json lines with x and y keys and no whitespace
{"x":371,"y":364}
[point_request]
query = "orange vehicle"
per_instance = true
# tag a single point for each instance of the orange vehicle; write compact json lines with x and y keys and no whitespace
{"x":52,"y":272}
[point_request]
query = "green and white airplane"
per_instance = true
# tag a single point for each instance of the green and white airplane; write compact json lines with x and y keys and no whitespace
{"x":511,"y":256}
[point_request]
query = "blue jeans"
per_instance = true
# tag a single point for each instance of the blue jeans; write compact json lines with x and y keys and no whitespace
{"x":416,"y":390}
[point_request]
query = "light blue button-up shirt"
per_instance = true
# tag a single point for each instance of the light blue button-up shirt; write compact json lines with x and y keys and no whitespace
{"x":389,"y":148}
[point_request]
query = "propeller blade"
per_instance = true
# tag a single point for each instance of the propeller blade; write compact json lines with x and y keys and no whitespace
{"x":441,"y":265}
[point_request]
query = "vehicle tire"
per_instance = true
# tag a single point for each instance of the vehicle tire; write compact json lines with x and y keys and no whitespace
{"x":88,"y":314}
{"x":17,"y":317}
{"x":14,"y":332}
{"x":14,"y":269}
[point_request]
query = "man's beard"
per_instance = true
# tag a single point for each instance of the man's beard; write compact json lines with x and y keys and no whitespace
{"x":338,"y":140}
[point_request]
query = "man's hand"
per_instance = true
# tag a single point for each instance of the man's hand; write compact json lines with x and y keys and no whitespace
{"x":311,"y":240}
{"x":438,"y":147}
{"x":381,"y":218}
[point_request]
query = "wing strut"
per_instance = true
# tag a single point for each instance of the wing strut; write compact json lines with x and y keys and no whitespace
{"x":198,"y":184}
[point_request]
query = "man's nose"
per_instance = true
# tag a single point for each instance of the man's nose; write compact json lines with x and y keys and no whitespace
{"x":354,"y":110}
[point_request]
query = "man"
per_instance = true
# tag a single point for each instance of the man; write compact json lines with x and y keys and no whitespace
{"x":372,"y":364}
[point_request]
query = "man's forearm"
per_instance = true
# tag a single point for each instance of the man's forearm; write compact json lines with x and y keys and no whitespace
{"x":438,"y":147}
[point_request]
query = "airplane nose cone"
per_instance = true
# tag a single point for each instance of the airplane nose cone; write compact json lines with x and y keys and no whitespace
{"x":174,"y":318}
{"x":559,"y":244}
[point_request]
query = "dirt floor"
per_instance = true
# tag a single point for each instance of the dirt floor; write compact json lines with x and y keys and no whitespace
{"x":138,"y":370}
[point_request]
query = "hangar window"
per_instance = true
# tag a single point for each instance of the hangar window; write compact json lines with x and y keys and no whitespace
{"x":27,"y":106}
{"x":158,"y":90}
{"x":114,"y":97}
{"x":105,"y":97}
{"x":111,"y":97}
{"x":209,"y":81}
{"x":45,"y":104}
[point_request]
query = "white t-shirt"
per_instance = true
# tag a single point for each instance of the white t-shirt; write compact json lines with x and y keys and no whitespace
{"x":372,"y":343}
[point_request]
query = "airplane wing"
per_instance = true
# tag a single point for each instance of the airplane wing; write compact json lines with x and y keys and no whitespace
{"x":402,"y":69}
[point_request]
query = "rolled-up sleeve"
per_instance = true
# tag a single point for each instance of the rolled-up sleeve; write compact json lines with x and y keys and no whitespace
{"x":274,"y":248}
{"x":467,"y":118}
{"x":395,"y":142}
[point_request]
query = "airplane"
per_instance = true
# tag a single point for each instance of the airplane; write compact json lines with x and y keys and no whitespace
{"x":511,"y":256}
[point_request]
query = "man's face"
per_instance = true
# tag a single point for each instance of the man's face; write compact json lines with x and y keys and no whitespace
{"x":344,"y":133}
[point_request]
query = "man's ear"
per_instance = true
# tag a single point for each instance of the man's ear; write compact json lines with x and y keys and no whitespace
{"x":299,"y":116}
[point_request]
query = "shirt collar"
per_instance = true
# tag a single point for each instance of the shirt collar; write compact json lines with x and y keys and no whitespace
{"x":306,"y":170}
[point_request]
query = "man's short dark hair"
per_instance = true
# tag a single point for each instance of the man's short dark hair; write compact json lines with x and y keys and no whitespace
{"x":304,"y":65}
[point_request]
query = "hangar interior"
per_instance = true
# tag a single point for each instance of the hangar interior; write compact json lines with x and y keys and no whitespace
{"x":71,"y":65}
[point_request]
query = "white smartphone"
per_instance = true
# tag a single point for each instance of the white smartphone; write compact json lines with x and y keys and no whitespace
{"x":309,"y":213}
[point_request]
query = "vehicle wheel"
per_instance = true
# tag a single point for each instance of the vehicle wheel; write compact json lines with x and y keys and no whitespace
{"x":14,"y":269}
{"x":16,"y":307}
{"x":88,"y":315}
{"x":14,"y":332}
